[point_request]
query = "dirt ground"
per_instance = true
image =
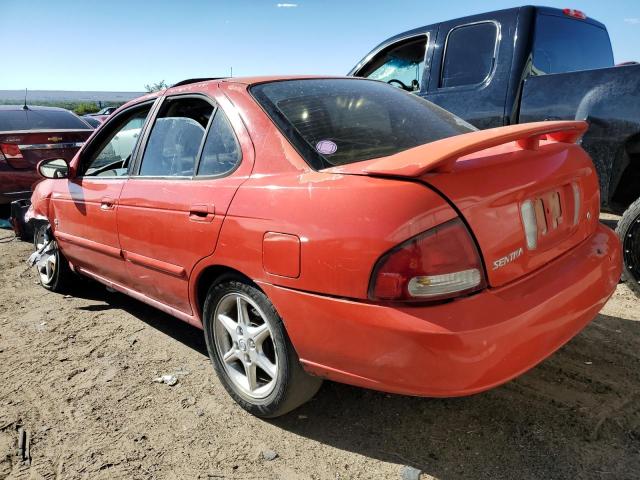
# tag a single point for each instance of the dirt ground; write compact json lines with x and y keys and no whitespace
{"x":77,"y":378}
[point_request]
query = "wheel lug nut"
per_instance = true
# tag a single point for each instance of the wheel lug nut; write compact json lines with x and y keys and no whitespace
{"x":252,"y":344}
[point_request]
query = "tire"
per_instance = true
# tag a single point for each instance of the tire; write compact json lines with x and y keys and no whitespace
{"x":260,"y":345}
{"x":54,"y":272}
{"x":628,"y":230}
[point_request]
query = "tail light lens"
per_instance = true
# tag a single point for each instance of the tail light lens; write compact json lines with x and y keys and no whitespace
{"x":440,"y":263}
{"x":572,"y":12}
{"x":12,"y":154}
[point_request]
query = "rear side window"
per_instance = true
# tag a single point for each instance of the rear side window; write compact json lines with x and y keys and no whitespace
{"x":469,"y":54}
{"x":340,"y":121}
{"x":36,"y":119}
{"x":563,"y":44}
{"x":401,"y":65}
{"x":176,"y":137}
{"x":221,"y":152}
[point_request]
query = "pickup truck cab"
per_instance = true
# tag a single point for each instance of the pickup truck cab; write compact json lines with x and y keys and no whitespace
{"x":531,"y":64}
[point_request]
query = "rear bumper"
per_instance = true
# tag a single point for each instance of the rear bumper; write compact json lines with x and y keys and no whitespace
{"x":457,"y":348}
{"x":8,"y":197}
{"x":16,"y":184}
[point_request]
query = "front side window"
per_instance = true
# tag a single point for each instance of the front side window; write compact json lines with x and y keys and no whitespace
{"x":400,"y":65}
{"x":469,"y":54}
{"x":563,"y":44}
{"x":340,"y":121}
{"x":113,"y":155}
{"x":176,"y":137}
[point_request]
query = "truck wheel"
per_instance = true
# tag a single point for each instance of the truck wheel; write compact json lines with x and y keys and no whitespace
{"x":628,"y":230}
{"x":251,"y":352}
{"x":53,"y":269}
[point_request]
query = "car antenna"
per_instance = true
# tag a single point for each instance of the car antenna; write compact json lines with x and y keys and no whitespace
{"x":24,"y":107}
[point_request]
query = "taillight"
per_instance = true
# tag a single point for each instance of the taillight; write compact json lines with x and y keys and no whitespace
{"x":570,"y":12}
{"x":442,"y":262}
{"x":11,"y":150}
{"x":13,"y":155}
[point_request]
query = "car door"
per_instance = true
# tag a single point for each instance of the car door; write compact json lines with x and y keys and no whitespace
{"x":172,"y":208}
{"x":85,"y":206}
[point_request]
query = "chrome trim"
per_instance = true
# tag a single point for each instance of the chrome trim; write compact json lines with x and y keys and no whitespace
{"x":495,"y":54}
{"x":16,"y":194}
{"x":356,"y":70}
{"x":50,"y":146}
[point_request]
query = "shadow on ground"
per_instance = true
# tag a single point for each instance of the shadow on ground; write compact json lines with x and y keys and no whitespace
{"x":574,"y":416}
{"x":186,"y":334}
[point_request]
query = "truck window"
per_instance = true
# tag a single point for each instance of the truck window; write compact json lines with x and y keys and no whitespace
{"x":401,"y":64}
{"x":469,"y":54}
{"x":564,"y":44}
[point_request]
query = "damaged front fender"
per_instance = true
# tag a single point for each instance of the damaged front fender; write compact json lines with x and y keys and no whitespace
{"x":32,"y":215}
{"x":38,"y":211}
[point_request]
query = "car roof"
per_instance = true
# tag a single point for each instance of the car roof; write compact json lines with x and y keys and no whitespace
{"x":254,"y":80}
{"x":32,"y":107}
{"x":277,"y":78}
{"x":192,"y":85}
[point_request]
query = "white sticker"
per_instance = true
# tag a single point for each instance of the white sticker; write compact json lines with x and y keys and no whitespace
{"x":326,"y":147}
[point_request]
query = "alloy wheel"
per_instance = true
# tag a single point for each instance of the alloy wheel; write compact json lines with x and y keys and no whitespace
{"x":244,"y":343}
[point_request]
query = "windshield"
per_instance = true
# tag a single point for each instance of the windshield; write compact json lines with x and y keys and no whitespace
{"x":340,"y":121}
{"x":36,"y":119}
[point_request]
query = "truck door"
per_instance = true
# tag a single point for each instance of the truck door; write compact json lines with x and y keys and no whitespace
{"x":403,"y":62}
{"x":471,"y":67}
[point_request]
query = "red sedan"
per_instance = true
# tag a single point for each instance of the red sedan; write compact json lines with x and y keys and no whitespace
{"x":336,"y":228}
{"x":27,"y":135}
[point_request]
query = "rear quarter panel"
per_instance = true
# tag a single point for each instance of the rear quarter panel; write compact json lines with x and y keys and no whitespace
{"x":344,"y":222}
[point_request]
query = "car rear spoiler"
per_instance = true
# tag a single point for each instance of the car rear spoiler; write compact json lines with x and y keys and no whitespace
{"x":442,"y":155}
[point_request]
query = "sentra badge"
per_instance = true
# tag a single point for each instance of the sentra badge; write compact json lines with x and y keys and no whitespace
{"x":501,"y":262}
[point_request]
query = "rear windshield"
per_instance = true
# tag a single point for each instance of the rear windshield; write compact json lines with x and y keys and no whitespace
{"x":340,"y":121}
{"x":12,"y":120}
{"x":563,"y":44}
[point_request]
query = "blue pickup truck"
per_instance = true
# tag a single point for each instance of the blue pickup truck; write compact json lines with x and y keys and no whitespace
{"x":529,"y":64}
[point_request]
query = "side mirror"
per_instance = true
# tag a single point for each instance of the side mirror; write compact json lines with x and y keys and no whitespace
{"x":54,"y":168}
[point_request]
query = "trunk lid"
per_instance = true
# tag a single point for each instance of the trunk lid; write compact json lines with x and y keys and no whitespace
{"x":503,"y":182}
{"x":24,"y":149}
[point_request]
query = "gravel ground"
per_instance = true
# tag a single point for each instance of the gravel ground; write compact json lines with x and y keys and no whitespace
{"x":77,"y":388}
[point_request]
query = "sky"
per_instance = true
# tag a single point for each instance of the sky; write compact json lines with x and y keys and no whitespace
{"x":122,"y":45}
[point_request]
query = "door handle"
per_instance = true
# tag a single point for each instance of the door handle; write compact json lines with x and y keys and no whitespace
{"x":107,"y":203}
{"x":202,"y":212}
